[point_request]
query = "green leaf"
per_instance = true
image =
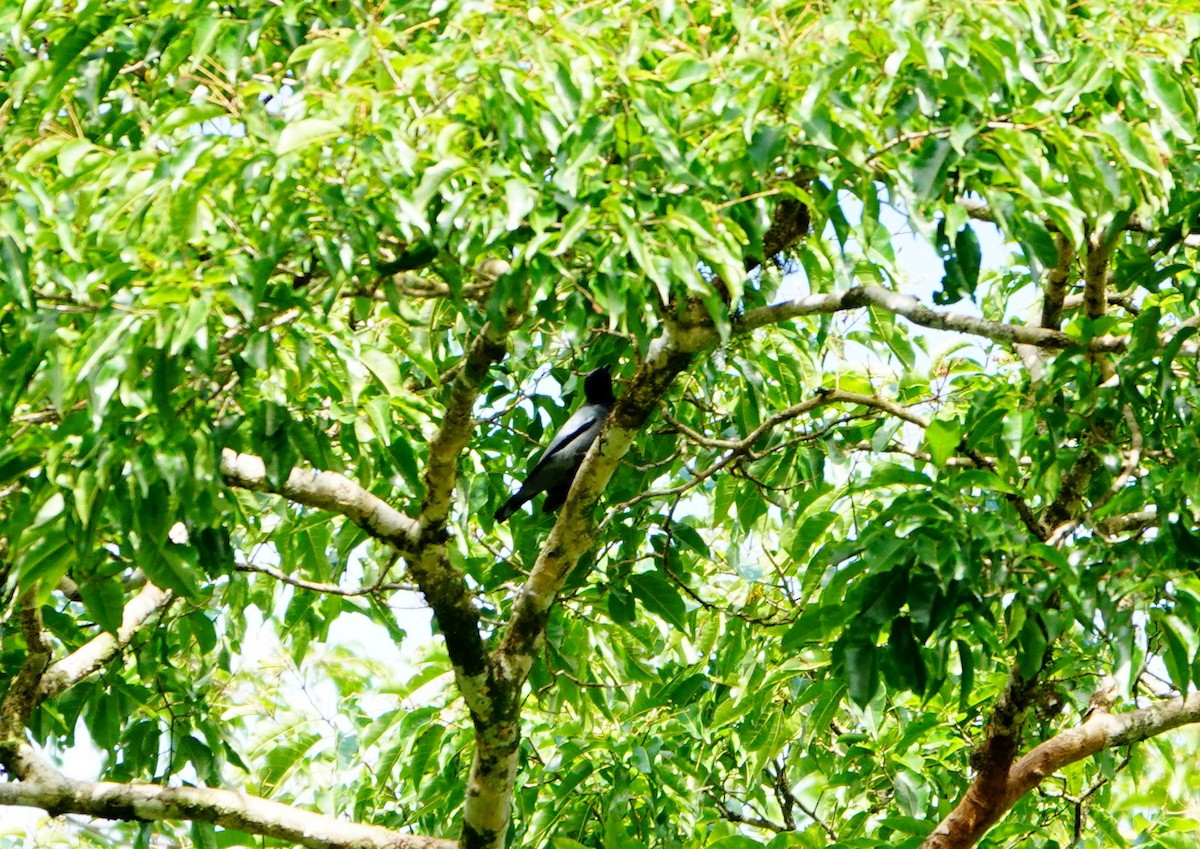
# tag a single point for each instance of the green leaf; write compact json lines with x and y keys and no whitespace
{"x":13,"y":465}
{"x":1170,"y":97}
{"x":966,"y":660}
{"x":1177,"y":657}
{"x":190,"y":115}
{"x":45,"y":565}
{"x":284,"y":756}
{"x":860,"y":669}
{"x":104,"y":720}
{"x":622,"y":607}
{"x":298,"y":135}
{"x":680,"y":72}
{"x":943,"y":436}
{"x":1038,"y":242}
{"x":690,"y":538}
{"x":519,"y":200}
{"x":929,"y":167}
{"x":40,"y":151}
{"x":104,"y":601}
{"x":660,"y":597}
{"x":385,"y":369}
{"x":566,"y":843}
{"x":423,"y":750}
{"x":575,"y":776}
{"x":910,"y":796}
{"x":970,"y":256}
{"x":906,"y":656}
{"x":734,"y":841}
{"x":203,"y":835}
{"x":1031,"y":647}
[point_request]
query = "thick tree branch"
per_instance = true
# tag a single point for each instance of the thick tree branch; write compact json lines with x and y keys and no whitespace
{"x":489,"y":698}
{"x":42,"y":786}
{"x":1126,"y":522}
{"x":983,"y":806}
{"x":916,"y":312}
{"x":457,"y":424}
{"x":326,"y":491}
{"x":1003,"y":738}
{"x":910,"y":308}
{"x":1095,"y":274}
{"x":444,"y":586}
{"x":493,"y":700}
{"x":1055,"y":294}
{"x":22,"y":695}
{"x":96,"y":652}
{"x":573,"y":532}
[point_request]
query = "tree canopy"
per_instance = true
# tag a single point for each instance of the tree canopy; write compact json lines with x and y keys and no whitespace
{"x":872,"y":551}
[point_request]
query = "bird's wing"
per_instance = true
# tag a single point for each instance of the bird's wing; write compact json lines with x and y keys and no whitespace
{"x":584,"y":419}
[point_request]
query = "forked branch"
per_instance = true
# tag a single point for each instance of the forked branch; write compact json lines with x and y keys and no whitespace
{"x":986,"y":801}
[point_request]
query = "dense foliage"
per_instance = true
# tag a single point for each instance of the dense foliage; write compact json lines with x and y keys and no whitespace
{"x":845,"y":535}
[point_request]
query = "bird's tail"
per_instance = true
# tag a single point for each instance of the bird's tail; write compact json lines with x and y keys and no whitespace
{"x":509,"y":507}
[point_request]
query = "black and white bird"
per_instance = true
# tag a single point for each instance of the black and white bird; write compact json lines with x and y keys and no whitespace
{"x":555,"y":470}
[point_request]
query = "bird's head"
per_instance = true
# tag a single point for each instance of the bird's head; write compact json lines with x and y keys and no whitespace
{"x":598,"y":387}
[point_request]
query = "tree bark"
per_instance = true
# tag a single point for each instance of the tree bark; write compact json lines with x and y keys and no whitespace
{"x":988,"y":799}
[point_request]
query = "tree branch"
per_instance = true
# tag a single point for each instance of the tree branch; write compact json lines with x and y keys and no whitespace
{"x":823,"y":398}
{"x":1004,"y":733}
{"x":916,"y":312}
{"x":22,"y":695}
{"x":1095,"y":281}
{"x":1056,"y":284}
{"x":96,"y":652}
{"x":748,"y":819}
{"x":910,"y":308}
{"x":317,"y":586}
{"x":982,"y":807}
{"x":458,"y":423}
{"x":1126,"y":522}
{"x":326,"y":491}
{"x":443,"y":585}
{"x":573,"y":532}
{"x":42,"y":786}
{"x":488,"y":805}
{"x":1114,"y":299}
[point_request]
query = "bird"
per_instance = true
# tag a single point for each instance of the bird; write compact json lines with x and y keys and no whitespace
{"x":555,"y":470}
